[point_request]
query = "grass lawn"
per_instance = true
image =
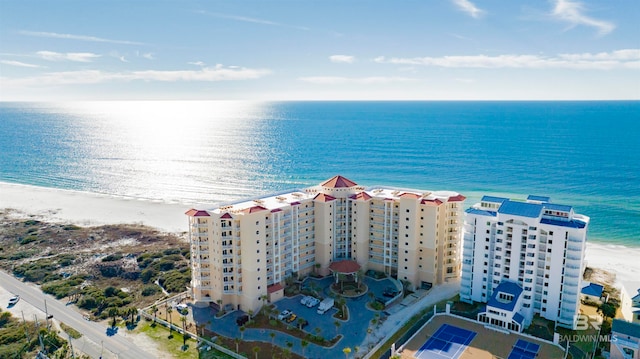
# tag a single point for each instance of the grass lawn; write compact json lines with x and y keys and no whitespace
{"x":173,"y":346}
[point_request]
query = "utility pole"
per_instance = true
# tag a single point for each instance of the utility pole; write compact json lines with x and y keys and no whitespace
{"x":46,"y":313}
{"x":26,"y":330}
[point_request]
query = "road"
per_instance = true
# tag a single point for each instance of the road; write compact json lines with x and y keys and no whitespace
{"x":93,"y":332}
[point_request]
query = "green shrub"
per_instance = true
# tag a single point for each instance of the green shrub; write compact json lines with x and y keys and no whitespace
{"x":148,"y":275}
{"x":170,"y":251}
{"x":71,"y":227}
{"x":149,"y":290}
{"x":112,"y":257}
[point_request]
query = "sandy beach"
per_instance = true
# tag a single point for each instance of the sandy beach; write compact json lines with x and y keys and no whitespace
{"x":88,"y":209}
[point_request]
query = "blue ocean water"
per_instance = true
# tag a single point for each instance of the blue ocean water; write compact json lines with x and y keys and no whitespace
{"x":586,"y":154}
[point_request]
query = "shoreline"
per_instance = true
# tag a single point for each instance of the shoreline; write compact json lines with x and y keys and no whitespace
{"x":90,"y":209}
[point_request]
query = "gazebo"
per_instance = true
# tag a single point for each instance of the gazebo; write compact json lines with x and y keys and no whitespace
{"x":347,"y":268}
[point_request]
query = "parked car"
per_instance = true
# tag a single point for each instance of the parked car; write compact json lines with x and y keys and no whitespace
{"x":390,"y":292}
{"x":182,"y":308}
{"x":305,"y":300}
{"x":291,"y":318}
{"x":242,"y":320}
{"x":312,"y":302}
{"x":284,"y":314}
{"x":13,"y":300}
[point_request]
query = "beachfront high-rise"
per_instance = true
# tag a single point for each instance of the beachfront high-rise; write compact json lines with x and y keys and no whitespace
{"x":242,"y":253}
{"x":522,"y":258}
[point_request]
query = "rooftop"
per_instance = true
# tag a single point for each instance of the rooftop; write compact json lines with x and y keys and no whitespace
{"x":532,"y":197}
{"x":522,"y":209}
{"x":480,"y":212}
{"x":339,"y":182}
{"x":571,"y":224}
{"x":557,"y":207}
{"x":493,"y":199}
{"x":344,"y":266}
{"x":593,"y":289}
{"x":508,"y":288}
{"x":626,"y":328}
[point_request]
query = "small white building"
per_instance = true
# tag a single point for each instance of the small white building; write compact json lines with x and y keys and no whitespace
{"x":503,"y":308}
{"x":591,"y":292}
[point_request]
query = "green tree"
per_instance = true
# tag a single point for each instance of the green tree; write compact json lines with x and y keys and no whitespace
{"x":337,"y":324}
{"x":346,"y":352}
{"x":113,"y":313}
{"x":183,"y":319}
{"x":256,"y":350}
{"x":608,"y":310}
{"x":237,"y":341}
{"x":304,"y":344}
{"x":242,"y":329}
{"x":169,"y":311}
{"x":154,"y":309}
{"x":272,"y":334}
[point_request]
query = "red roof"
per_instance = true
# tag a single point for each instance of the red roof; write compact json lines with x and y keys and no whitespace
{"x":196,"y":213}
{"x":362,"y":195}
{"x":295,"y":203}
{"x":458,"y":198}
{"x":276,"y":210}
{"x":254,"y":209}
{"x":339,"y":182}
{"x":410,"y":195}
{"x":226,"y":215}
{"x":431,"y":202}
{"x":344,"y":266}
{"x":274,"y":288}
{"x":321,"y":197}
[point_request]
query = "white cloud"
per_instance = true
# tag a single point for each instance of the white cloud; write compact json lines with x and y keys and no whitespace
{"x":212,"y":74}
{"x":342,"y":59}
{"x":338,"y":80}
{"x":197,"y":63}
{"x":19,"y":64}
{"x":148,"y":56}
{"x":251,"y":20}
{"x":628,"y":58}
{"x":572,"y":12}
{"x":469,"y":7}
{"x":77,"y":37}
{"x":69,"y":56}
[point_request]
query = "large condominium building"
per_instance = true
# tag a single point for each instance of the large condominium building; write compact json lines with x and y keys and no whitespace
{"x":522,"y":258}
{"x":242,"y":253}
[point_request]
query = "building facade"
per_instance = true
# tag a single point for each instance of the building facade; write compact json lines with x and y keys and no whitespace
{"x":534,"y":244}
{"x":242,"y":253}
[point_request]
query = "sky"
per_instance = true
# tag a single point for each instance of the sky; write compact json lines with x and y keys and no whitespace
{"x":319,"y":50}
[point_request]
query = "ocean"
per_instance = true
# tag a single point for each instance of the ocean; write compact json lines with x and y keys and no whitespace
{"x":585,"y":154}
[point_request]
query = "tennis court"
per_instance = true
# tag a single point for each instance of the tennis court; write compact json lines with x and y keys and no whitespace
{"x":447,"y":342}
{"x":524,"y":350}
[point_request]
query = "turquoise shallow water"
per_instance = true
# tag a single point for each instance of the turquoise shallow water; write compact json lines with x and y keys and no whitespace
{"x":586,"y":154}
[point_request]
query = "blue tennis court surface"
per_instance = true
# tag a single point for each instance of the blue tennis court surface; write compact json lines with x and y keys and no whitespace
{"x":524,"y":350}
{"x":447,"y":342}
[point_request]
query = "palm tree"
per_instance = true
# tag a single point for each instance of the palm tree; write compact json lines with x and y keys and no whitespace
{"x":356,"y":349}
{"x":337,"y":324}
{"x":346,"y":352}
{"x":303,"y":344}
{"x":318,"y":331}
{"x":242,"y":329}
{"x":256,"y":350}
{"x":113,"y":313}
{"x":133,"y":311}
{"x":273,"y":336}
{"x":183,"y":319}
{"x":237,"y":341}
{"x":154,"y":309}
{"x":169,"y":311}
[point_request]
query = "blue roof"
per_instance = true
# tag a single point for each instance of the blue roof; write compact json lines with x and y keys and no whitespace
{"x":571,"y":224}
{"x":523,"y":209}
{"x":593,"y":290}
{"x":518,"y":318}
{"x":480,"y":212}
{"x":539,"y":198}
{"x":493,"y":199}
{"x":557,"y":207}
{"x":505,"y":287}
{"x":627,"y":328}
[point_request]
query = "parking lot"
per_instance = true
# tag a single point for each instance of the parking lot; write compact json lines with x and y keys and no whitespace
{"x":353,"y":330}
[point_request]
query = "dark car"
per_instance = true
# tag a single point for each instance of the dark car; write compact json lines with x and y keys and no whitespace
{"x":390,"y":292}
{"x":242,"y":320}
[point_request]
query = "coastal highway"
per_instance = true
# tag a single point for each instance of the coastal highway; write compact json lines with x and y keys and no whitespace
{"x":95,"y":332}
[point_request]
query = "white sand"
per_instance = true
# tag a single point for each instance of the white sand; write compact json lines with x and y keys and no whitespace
{"x":88,"y":209}
{"x":85,"y":208}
